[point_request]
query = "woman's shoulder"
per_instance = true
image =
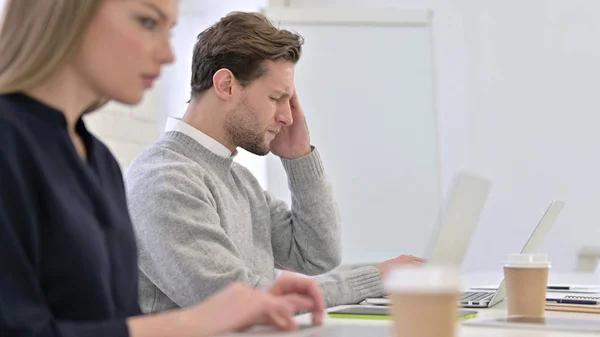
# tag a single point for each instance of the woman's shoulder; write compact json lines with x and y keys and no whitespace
{"x":106,"y":156}
{"x":9,"y":116}
{"x":15,"y":123}
{"x":13,"y":128}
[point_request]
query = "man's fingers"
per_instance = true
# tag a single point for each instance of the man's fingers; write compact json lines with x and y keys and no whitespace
{"x":418,"y":259}
{"x":411,"y":259}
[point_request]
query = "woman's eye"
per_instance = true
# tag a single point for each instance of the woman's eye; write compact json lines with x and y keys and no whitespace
{"x":148,"y":23}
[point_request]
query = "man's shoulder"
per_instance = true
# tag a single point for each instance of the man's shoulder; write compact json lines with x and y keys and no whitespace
{"x":242,"y":171}
{"x":159,"y":162}
{"x":246,"y":177}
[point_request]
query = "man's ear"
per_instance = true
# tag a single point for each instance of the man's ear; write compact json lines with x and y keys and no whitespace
{"x":223,"y":81}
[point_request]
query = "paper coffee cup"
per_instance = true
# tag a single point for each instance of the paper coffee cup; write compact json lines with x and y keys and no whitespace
{"x":527,"y":261}
{"x":424,"y":300}
{"x":526,"y":278}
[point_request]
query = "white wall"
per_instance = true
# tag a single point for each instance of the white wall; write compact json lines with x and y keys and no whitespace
{"x":534,"y":108}
{"x":377,"y":155}
{"x":453,"y":25}
{"x":128,"y":130}
{"x":452,"y":60}
{"x":516,"y":98}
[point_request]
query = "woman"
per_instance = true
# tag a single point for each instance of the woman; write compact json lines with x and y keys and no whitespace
{"x":67,"y":248}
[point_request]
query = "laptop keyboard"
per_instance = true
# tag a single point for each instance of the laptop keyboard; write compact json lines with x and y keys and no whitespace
{"x":475,"y":296}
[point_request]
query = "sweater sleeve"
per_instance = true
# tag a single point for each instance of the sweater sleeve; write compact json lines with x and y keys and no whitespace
{"x":306,"y":238}
{"x":23,"y":307}
{"x":351,"y":286}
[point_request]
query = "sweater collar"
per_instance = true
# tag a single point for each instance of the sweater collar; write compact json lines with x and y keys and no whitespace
{"x":197,"y":152}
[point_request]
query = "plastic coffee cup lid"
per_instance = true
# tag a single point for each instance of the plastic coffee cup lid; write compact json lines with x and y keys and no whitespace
{"x":423,"y":279}
{"x":526,"y":261}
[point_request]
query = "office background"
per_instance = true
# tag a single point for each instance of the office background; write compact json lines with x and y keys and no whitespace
{"x":517,"y":101}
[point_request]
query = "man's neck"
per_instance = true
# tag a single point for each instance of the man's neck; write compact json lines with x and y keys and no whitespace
{"x":207,"y":120}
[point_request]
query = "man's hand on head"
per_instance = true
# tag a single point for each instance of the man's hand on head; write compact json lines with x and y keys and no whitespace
{"x":293,"y":141}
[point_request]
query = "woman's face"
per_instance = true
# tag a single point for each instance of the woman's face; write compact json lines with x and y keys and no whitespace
{"x":125,"y":47}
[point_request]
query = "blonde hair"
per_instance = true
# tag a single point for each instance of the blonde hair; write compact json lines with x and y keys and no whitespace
{"x":38,"y":37}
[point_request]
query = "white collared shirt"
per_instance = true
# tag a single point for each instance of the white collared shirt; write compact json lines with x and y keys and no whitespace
{"x":176,"y":124}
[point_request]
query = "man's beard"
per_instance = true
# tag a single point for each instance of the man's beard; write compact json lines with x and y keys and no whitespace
{"x":244,"y":131}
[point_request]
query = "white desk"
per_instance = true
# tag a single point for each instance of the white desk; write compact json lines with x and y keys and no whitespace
{"x":464,"y":331}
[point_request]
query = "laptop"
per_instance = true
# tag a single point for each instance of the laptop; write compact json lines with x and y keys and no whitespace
{"x":467,"y":198}
{"x":487,"y":298}
{"x":464,"y":203}
{"x":463,"y":206}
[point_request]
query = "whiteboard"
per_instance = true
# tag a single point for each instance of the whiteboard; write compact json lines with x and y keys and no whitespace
{"x":365,"y":81}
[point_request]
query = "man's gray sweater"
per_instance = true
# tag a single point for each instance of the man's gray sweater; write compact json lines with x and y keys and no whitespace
{"x":203,"y":221}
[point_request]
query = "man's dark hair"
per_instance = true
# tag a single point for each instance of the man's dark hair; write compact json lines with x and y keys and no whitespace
{"x":241,"y":42}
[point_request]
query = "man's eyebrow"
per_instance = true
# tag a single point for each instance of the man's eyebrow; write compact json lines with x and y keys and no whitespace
{"x":283,"y":94}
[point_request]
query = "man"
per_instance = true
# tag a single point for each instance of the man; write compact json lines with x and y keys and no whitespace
{"x":203,"y":221}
